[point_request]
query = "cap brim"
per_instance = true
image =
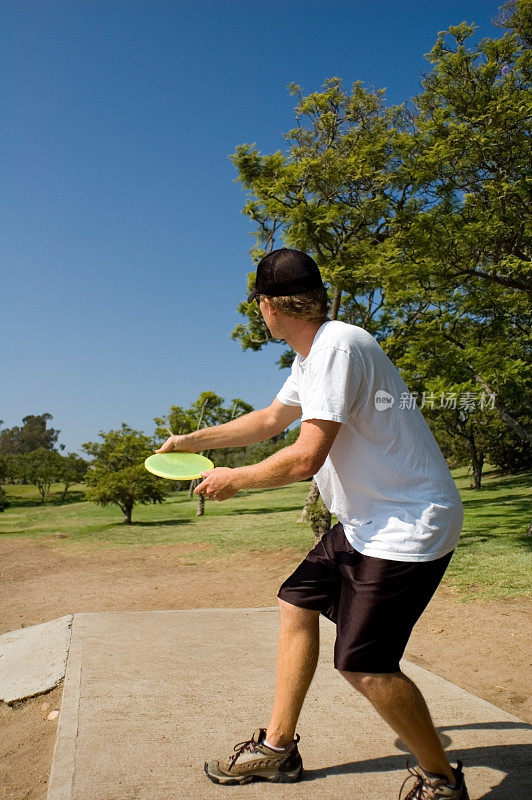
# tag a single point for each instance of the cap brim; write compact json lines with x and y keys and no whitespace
{"x":253,"y":296}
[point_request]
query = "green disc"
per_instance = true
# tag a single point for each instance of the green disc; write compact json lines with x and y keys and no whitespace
{"x":178,"y":466}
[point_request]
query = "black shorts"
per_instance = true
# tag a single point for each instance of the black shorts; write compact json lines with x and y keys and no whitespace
{"x":374,"y":602}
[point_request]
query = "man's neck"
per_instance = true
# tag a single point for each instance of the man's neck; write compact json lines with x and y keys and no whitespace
{"x":301,"y":335}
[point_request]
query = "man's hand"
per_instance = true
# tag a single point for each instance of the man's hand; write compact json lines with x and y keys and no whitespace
{"x":177,"y":444}
{"x":219,"y":484}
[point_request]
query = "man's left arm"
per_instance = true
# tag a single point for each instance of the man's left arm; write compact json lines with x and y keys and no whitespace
{"x":293,"y":463}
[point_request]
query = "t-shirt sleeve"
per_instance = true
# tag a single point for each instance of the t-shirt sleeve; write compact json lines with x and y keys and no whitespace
{"x":334,"y":381}
{"x":288,"y":395}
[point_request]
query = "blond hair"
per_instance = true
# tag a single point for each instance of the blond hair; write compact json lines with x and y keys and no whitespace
{"x":312,"y":306}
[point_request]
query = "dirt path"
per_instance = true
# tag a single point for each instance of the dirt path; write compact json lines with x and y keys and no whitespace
{"x":478,"y":646}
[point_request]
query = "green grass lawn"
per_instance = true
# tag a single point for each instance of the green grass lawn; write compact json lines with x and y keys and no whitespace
{"x":493,"y":556}
{"x":256,"y":520}
{"x":492,"y":560}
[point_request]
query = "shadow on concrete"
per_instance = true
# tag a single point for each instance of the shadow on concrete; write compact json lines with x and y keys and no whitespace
{"x":514,"y":760}
{"x":486,"y":726}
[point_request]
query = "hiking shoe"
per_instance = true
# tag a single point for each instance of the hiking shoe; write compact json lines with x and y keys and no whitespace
{"x":431,"y":787}
{"x":253,"y":760}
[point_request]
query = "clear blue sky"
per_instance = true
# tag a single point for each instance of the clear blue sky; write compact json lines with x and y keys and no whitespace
{"x":123,"y":249}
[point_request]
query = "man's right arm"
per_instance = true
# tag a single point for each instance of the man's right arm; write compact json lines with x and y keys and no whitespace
{"x":247,"y":429}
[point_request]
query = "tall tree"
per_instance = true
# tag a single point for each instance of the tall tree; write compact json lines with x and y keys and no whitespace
{"x":459,"y":259}
{"x":34,"y":434}
{"x":418,"y":217}
{"x":329,"y":194}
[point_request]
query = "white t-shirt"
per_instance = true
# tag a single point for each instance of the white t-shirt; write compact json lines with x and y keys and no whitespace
{"x":385,"y":478}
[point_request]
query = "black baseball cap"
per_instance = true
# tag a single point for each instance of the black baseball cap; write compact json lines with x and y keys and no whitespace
{"x":285,"y":272}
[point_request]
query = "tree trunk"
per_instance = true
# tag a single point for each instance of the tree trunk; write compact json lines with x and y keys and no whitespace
{"x":201,"y":500}
{"x":319,"y":518}
{"x":477,"y":462}
{"x":335,"y":305}
{"x":312,"y":498}
{"x":201,"y":506}
{"x":127,"y":510}
{"x":504,"y":416}
{"x":322,"y":525}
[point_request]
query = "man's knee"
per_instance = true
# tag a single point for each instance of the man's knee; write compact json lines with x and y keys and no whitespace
{"x":367,"y":683}
{"x":295,"y":616}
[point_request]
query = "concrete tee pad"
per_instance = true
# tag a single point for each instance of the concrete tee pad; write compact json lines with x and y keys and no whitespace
{"x":33,"y":660}
{"x":150,"y":696}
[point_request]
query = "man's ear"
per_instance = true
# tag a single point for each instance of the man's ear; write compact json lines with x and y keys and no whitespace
{"x":269,"y":305}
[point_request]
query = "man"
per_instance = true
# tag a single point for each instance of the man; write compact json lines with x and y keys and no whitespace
{"x":380,"y":471}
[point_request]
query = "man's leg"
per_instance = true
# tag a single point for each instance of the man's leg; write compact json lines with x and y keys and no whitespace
{"x":316,"y":582}
{"x":296,"y":663}
{"x":297,"y":658}
{"x":400,"y":703}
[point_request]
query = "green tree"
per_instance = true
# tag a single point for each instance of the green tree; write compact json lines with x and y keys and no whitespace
{"x":12,"y":468}
{"x":516,"y":15}
{"x":418,"y":218}
{"x":42,"y":468}
{"x":462,"y":419}
{"x":459,"y":270}
{"x":331,"y":194}
{"x":4,"y":469}
{"x":117,"y":473}
{"x":34,"y":434}
{"x":206,"y":411}
{"x":4,"y":476}
{"x":178,"y":421}
{"x":73,"y":470}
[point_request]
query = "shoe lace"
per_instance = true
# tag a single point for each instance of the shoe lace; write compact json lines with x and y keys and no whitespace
{"x":419,"y":790}
{"x":240,"y":748}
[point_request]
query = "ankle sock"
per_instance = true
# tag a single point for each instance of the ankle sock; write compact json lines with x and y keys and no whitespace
{"x":273,"y":747}
{"x":437,"y":775}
